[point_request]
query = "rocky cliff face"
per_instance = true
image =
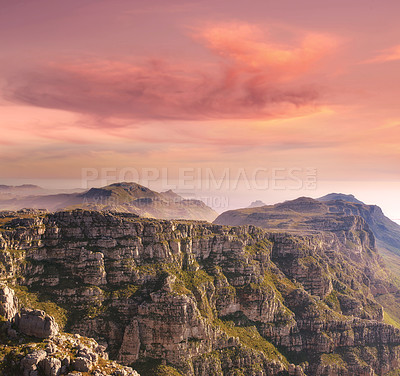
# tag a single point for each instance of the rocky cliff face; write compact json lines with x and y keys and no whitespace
{"x":203,"y":299}
{"x":384,"y":229}
{"x":8,"y":302}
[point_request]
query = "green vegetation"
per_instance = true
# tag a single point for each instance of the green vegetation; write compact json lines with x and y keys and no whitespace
{"x":391,"y":306}
{"x":124,"y":292}
{"x":249,"y":336}
{"x":391,"y":257}
{"x":332,"y":301}
{"x":262,"y":246}
{"x":194,"y":279}
{"x":95,"y":310}
{"x":32,"y":300}
{"x":180,"y":288}
{"x":153,"y":367}
{"x":333,"y":359}
{"x":388,"y":319}
{"x":187,"y":282}
{"x":166,"y":371}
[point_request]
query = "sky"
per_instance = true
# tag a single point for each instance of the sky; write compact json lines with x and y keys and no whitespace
{"x":257,"y":86}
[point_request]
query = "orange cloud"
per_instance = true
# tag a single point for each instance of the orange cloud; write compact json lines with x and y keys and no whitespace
{"x":245,"y":47}
{"x":252,"y":79}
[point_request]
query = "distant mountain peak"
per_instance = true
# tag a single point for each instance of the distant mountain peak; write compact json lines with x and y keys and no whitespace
{"x":20,"y":187}
{"x":129,"y":186}
{"x":171,"y":195}
{"x":121,"y":189}
{"x":302,"y":204}
{"x":340,"y":196}
{"x":256,"y":204}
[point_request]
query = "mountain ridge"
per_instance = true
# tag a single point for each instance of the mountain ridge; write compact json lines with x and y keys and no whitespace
{"x":340,"y":196}
{"x":124,"y":197}
{"x":289,"y":213}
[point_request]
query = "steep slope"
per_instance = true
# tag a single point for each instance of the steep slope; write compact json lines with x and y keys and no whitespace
{"x":208,"y":299}
{"x":306,"y":215}
{"x":384,"y":229}
{"x":122,"y":197}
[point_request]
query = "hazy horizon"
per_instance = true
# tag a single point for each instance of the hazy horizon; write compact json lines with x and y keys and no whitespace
{"x":221,"y":200}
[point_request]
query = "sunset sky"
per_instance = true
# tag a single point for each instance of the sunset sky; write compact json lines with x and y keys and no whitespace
{"x":204,"y":84}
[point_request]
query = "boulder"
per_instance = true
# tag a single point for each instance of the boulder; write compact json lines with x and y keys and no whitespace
{"x":82,"y":364}
{"x":51,"y":366}
{"x":31,"y":361}
{"x":36,"y":323}
{"x":85,"y":352}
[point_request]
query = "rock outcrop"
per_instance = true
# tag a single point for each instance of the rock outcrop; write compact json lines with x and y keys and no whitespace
{"x":63,"y":355}
{"x":51,"y":353}
{"x":36,"y":323}
{"x":203,"y":299}
{"x":8,"y":303}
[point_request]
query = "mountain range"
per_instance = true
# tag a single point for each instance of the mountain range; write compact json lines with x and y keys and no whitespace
{"x":120,"y":197}
{"x":20,"y":188}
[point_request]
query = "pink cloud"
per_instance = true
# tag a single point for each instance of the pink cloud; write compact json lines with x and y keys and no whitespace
{"x":252,"y":79}
{"x":389,"y":54}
